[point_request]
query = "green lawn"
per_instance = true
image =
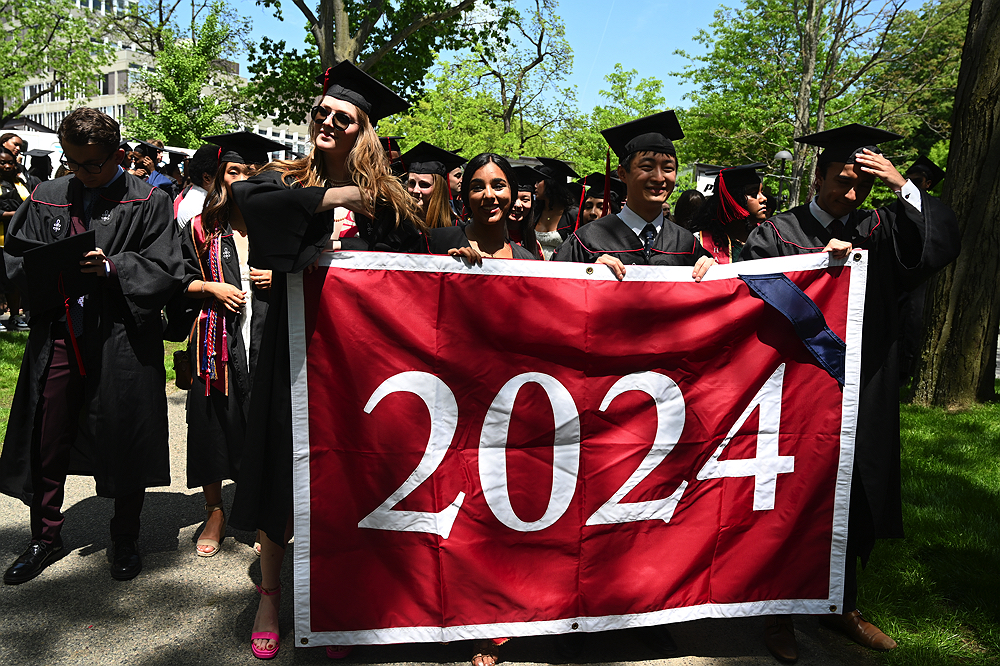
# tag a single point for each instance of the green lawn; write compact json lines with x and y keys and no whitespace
{"x":937,"y":592}
{"x":11,"y":350}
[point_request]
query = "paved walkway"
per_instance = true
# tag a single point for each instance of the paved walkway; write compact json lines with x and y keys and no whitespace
{"x":183,"y":609}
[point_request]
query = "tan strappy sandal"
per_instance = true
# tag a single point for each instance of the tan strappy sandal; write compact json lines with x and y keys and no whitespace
{"x":216,"y":545}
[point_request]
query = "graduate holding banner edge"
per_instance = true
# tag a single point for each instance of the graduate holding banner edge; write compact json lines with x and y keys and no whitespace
{"x":907,"y":243}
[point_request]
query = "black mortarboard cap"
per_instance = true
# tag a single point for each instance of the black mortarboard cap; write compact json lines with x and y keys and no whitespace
{"x":244,"y":147}
{"x":555,"y":169}
{"x":37,"y":152}
{"x":843,"y":143}
{"x":390,"y":143}
{"x":348,"y":83}
{"x":53,"y":271}
{"x":428,"y":158}
{"x":655,"y":134}
{"x":176,"y":156}
{"x":147,"y":149}
{"x":595,"y":185}
{"x":527,"y":178}
{"x":576,"y":191}
{"x":126,"y":147}
{"x":738,"y":177}
{"x":924,"y":166}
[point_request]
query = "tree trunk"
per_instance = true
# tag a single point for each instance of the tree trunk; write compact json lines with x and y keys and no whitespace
{"x":957,"y":363}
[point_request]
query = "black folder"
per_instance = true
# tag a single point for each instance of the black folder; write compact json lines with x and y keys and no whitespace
{"x":53,"y":271}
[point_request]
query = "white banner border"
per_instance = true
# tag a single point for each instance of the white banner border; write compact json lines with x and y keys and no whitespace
{"x":857,"y":260}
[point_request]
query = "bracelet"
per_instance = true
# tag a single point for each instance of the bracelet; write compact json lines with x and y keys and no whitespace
{"x":203,"y":286}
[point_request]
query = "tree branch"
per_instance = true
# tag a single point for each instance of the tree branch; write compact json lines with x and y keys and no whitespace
{"x":417,"y":24}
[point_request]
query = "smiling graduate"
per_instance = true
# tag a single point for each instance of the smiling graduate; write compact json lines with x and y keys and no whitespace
{"x":639,"y":234}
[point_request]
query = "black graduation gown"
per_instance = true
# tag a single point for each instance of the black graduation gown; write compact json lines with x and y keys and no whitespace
{"x":902,"y":254}
{"x":217,"y":422}
{"x":673,"y":246}
{"x":439,"y":241}
{"x":123,"y":438}
{"x":286,"y":237}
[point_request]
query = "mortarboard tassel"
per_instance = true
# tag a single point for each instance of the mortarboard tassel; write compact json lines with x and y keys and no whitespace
{"x":607,"y":184}
{"x":730,"y":209}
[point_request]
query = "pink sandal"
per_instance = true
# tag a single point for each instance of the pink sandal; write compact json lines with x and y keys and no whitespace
{"x":338,"y":651}
{"x":262,"y":653}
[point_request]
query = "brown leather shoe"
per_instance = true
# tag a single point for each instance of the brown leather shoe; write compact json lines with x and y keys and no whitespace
{"x":859,"y":630}
{"x":779,"y":637}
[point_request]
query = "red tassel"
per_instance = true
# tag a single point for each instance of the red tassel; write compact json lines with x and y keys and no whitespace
{"x":69,"y":326}
{"x":579,"y":209}
{"x":607,"y":184}
{"x":731,"y":211}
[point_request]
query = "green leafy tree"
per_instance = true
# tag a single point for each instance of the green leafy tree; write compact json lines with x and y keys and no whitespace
{"x":526,"y":74}
{"x":45,"y":39}
{"x":393,"y":40}
{"x":189,"y":93}
{"x":757,"y":89}
{"x":627,"y":97}
{"x":456,"y":113}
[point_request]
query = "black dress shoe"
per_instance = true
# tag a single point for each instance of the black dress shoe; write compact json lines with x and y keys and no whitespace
{"x":125,"y":561}
{"x":658,"y":639}
{"x":570,"y":646}
{"x":31,"y":562}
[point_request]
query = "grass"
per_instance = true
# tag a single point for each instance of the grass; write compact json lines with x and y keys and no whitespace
{"x":937,"y":592}
{"x":168,"y":359}
{"x":11,"y":350}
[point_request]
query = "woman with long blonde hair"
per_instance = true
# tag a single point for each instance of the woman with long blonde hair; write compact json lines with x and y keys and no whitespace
{"x":220,"y":345}
{"x":289,"y":212}
{"x":427,"y":181}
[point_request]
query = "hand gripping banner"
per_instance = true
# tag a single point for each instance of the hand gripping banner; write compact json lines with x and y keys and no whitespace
{"x":531,"y":448}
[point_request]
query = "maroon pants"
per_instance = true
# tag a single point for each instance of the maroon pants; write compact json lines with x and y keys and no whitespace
{"x":56,"y":424}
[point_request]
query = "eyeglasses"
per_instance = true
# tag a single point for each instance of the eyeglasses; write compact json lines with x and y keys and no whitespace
{"x":340,"y":119}
{"x":89,"y":168}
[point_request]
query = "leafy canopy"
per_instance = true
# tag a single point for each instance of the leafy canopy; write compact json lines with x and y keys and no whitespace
{"x":49,"y":40}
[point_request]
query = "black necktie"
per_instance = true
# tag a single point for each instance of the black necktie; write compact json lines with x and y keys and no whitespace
{"x":648,"y":234}
{"x":836,"y":229}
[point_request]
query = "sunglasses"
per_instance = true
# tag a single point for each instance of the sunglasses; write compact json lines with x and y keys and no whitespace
{"x":340,"y":119}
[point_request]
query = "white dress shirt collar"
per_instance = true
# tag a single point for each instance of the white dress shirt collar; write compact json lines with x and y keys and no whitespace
{"x":636,"y":223}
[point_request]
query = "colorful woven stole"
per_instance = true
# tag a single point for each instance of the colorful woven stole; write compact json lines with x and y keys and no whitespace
{"x":210,"y":335}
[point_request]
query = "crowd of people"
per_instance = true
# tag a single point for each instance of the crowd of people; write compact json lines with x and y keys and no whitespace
{"x":199,"y":248}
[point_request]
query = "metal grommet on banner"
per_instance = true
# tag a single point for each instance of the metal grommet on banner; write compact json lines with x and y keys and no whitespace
{"x":305,"y":641}
{"x":833,"y":609}
{"x":857,"y":256}
{"x":575,"y":625}
{"x":590,"y":270}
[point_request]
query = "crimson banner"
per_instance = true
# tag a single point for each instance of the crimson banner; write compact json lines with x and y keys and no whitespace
{"x":532,"y":448}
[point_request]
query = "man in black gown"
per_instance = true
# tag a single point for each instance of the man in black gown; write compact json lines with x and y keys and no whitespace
{"x":639,"y":234}
{"x":90,"y":396}
{"x":907,"y":242}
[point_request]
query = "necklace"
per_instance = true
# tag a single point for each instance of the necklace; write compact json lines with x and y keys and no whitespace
{"x":339,"y":183}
